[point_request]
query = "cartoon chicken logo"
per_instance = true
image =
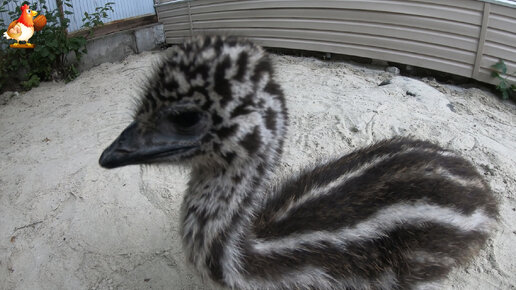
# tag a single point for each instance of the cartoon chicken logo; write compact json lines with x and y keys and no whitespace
{"x":23,"y":28}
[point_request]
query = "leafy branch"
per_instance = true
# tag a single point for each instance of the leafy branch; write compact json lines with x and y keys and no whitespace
{"x":96,"y":19}
{"x":499,"y":71}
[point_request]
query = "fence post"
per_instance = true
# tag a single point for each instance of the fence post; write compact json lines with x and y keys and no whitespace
{"x":190,"y":19}
{"x":481,"y":41}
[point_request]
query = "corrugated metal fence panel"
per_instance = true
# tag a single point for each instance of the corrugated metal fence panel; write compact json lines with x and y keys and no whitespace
{"x":500,"y":41}
{"x":5,"y":17}
{"x":463,"y":37}
{"x":441,"y":35}
{"x":122,"y":9}
{"x":176,"y":21}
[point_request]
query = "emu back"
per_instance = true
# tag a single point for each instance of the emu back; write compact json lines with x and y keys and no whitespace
{"x":399,"y":214}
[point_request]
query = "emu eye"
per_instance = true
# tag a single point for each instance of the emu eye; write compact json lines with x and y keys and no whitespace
{"x":184,"y":120}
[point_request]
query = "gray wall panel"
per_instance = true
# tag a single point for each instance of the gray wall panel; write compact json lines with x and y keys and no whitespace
{"x":464,"y":37}
{"x":401,"y":20}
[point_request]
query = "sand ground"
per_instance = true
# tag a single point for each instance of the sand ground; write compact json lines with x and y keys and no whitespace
{"x":66,"y":223}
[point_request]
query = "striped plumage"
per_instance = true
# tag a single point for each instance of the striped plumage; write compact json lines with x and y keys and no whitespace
{"x":397,"y":215}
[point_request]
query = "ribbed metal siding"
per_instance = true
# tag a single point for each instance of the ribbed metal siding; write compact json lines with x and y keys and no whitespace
{"x":176,"y":21}
{"x":122,"y":10}
{"x":500,"y":41}
{"x":440,"y":34}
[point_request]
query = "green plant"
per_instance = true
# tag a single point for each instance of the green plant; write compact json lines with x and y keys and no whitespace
{"x":49,"y":59}
{"x":56,"y":53}
{"x":30,"y":83}
{"x":499,"y":71}
{"x":95,"y":19}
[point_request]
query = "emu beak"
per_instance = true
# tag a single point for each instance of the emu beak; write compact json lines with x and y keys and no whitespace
{"x":33,"y":13}
{"x":135,"y":147}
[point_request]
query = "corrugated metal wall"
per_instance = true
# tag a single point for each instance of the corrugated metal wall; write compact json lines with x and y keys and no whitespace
{"x":122,"y":10}
{"x":463,"y":37}
{"x":499,"y":42}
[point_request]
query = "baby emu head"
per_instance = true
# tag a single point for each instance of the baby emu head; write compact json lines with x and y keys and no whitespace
{"x":212,"y":100}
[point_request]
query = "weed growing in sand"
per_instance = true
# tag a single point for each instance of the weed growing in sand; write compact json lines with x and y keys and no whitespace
{"x":499,"y":71}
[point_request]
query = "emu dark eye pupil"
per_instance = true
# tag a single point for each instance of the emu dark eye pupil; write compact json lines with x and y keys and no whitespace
{"x":185,"y":119}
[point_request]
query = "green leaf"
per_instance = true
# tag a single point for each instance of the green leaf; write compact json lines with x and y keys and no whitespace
{"x":500,"y":66}
{"x":33,"y":81}
{"x":52,"y":43}
{"x":45,"y":52}
{"x":505,"y":95}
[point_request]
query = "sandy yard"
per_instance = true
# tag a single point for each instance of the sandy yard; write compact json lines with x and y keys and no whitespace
{"x":66,"y":223}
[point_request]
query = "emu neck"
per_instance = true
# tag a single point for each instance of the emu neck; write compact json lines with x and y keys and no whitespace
{"x":217,"y":209}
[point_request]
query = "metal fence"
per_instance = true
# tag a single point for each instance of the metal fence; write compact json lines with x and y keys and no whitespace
{"x":463,"y":37}
{"x":122,"y":10}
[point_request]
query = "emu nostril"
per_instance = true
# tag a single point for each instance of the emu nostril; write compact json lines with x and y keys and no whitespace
{"x":122,"y":150}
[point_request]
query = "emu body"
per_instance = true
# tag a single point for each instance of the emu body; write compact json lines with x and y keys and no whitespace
{"x":398,"y":214}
